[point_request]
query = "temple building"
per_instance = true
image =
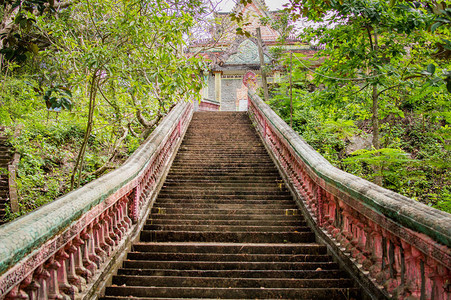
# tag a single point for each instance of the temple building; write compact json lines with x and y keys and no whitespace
{"x":233,"y":59}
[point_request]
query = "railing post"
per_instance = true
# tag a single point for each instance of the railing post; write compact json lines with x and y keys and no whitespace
{"x":63,"y":283}
{"x":400,"y":244}
{"x":135,"y":203}
{"x":74,"y":279}
{"x":90,"y":224}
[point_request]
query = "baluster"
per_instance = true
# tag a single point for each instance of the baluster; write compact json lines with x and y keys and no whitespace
{"x":392,"y":282}
{"x":359,"y":240}
{"x":441,"y":277}
{"x":413,"y":273}
{"x":18,"y":292}
{"x":98,"y":240}
{"x":127,"y":220}
{"x":41,"y":275}
{"x":135,"y":204}
{"x":384,"y":273}
{"x":367,"y":249}
{"x":112,"y":226}
{"x":108,"y":242}
{"x":92,"y":246}
{"x":377,"y":253}
{"x":79,"y":268}
{"x":62,"y":257}
{"x":52,"y":265}
{"x":122,"y":225}
{"x":118,"y":227}
{"x":31,"y":286}
{"x":72,"y":275}
{"x":329,"y":217}
{"x":342,"y":236}
{"x":320,"y":195}
{"x":85,"y":252}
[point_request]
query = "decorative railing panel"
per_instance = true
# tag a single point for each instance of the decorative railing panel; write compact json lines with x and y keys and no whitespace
{"x":59,"y":250}
{"x":401,"y":245}
{"x":208,"y":105}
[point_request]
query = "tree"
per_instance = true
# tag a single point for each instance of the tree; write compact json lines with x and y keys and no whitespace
{"x":368,"y":44}
{"x":386,"y":71}
{"x":117,"y":52}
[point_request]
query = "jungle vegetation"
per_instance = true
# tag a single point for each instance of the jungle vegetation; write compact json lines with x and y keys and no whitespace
{"x":84,"y":82}
{"x":376,"y":99}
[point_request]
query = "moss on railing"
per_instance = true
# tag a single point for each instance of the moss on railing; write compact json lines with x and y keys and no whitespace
{"x":406,"y":211}
{"x":20,"y":237}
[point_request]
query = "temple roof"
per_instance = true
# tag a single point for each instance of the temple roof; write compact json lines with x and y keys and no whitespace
{"x":227,"y":49}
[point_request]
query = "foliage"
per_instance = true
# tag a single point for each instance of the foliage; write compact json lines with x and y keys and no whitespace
{"x":100,"y":81}
{"x":386,"y":71}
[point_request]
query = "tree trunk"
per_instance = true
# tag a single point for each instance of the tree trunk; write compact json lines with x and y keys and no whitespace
{"x":376,"y":142}
{"x":262,"y":64}
{"x":81,"y":153}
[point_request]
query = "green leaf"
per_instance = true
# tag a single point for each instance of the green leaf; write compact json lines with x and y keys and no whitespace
{"x":435,"y":26}
{"x":431,"y":68}
{"x":34,"y":48}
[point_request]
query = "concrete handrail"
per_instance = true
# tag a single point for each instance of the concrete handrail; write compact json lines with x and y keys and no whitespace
{"x":406,"y":211}
{"x":360,"y":215}
{"x":111,"y":199}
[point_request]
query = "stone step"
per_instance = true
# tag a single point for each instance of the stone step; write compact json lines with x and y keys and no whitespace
{"x":195,"y":194}
{"x":203,"y":205}
{"x":194,"y":257}
{"x":224,"y":282}
{"x":210,"y":216}
{"x":220,"y":147}
{"x":224,"y":225}
{"x":203,"y":136}
{"x":223,"y":193}
{"x":272,"y":184}
{"x":224,"y":179}
{"x":216,"y":159}
{"x":232,"y":248}
{"x":260,"y":193}
{"x":202,"y":163}
{"x":238,"y":228}
{"x":223,"y":151}
{"x":313,"y":274}
{"x":236,"y":293}
{"x":220,"y":265}
{"x":221,"y":201}
{"x":245,"y":222}
{"x":226,"y":236}
{"x":184,"y":173}
{"x":224,"y":211}
{"x":226,"y":166}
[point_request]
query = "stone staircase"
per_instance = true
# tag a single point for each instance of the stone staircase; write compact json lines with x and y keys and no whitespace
{"x":5,"y":159}
{"x":225,"y":226}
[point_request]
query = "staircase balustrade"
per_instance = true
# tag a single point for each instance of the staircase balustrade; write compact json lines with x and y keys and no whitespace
{"x":62,"y":250}
{"x":208,"y":105}
{"x":399,"y":246}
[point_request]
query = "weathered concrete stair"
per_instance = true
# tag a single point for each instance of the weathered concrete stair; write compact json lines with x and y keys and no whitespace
{"x":225,"y":226}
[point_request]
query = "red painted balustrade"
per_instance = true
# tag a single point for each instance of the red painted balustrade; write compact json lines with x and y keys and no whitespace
{"x":62,"y":250}
{"x":393,"y":245}
{"x":208,"y":105}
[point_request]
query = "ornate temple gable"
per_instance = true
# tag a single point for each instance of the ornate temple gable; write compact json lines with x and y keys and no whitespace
{"x":252,"y":12}
{"x":255,"y":11}
{"x":246,"y":53}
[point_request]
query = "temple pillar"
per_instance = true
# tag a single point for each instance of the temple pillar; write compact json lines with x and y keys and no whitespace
{"x":205,"y":85}
{"x":218,"y":87}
